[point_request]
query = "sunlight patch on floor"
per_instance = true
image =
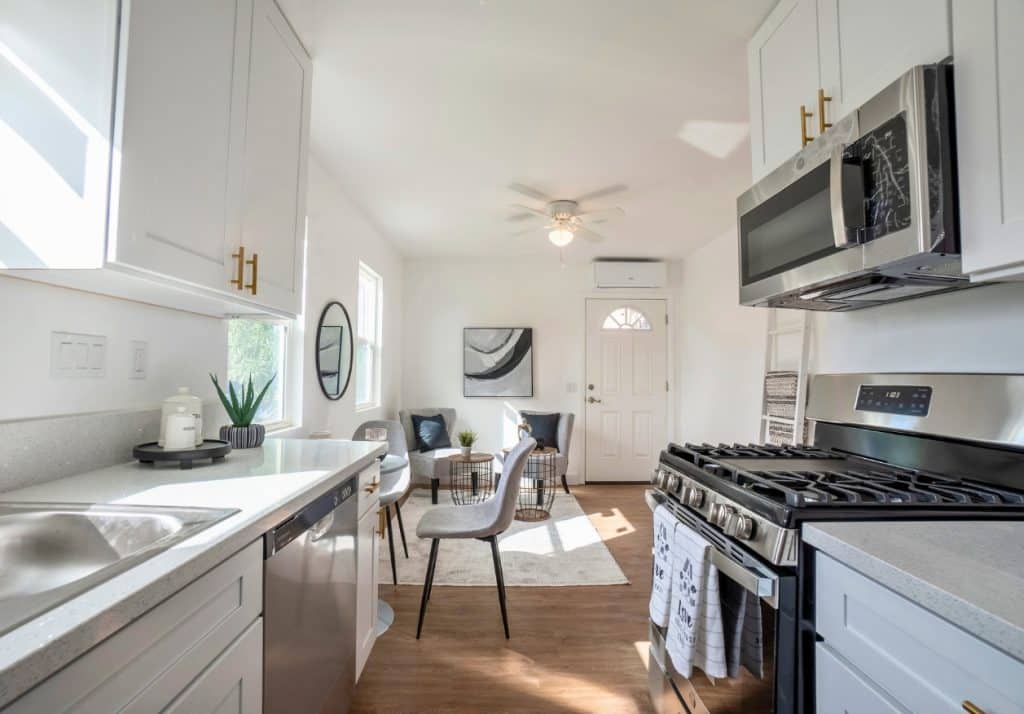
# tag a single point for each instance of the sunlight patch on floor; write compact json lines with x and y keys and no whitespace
{"x":611,"y":524}
{"x":563,"y":536}
{"x":643,"y":648}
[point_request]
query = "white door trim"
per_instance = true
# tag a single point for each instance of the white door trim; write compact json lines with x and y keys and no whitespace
{"x":666,"y":297}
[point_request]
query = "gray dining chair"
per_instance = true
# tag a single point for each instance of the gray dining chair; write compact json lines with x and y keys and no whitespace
{"x":484,"y":521}
{"x":392,"y":485}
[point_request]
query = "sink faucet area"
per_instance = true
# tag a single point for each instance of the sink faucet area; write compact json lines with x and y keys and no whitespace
{"x":51,"y":552}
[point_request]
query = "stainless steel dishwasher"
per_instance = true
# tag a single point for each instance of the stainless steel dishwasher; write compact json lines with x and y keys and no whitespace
{"x":309,"y":606}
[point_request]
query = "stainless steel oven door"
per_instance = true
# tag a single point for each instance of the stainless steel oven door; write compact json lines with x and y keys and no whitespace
{"x":745,"y":694}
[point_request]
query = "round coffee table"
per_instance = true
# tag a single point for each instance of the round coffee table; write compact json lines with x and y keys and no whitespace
{"x":472,"y":478}
{"x":538,"y":485}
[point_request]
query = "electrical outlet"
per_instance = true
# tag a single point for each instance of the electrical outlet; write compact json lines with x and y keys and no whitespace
{"x":77,"y":355}
{"x":138,"y":359}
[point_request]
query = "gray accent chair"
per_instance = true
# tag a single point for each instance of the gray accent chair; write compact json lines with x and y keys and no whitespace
{"x":565,"y":424}
{"x":392,"y":485}
{"x":483,"y":521}
{"x":429,"y":466}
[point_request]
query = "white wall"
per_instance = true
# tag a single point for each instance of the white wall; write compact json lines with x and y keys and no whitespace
{"x":444,"y":296}
{"x":721,"y":345}
{"x":339,"y":237}
{"x":720,"y":349}
{"x":183,"y":348}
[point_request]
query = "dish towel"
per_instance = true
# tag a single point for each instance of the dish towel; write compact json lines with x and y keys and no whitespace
{"x":741,"y":612}
{"x":695,"y":633}
{"x":661,"y":585}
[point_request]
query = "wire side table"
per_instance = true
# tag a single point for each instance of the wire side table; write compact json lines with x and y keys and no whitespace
{"x":538,"y":486}
{"x":472,"y":478}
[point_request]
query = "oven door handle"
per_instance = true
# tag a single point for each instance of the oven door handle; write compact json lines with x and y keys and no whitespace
{"x":760,"y":581}
{"x":762,"y":584}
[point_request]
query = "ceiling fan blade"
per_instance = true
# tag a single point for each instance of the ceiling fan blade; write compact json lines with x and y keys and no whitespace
{"x":531,"y":192}
{"x":590,"y":236}
{"x":602,"y":192}
{"x":532,"y":211}
{"x":523,"y":232}
{"x":517,"y":218}
{"x":602,"y":214}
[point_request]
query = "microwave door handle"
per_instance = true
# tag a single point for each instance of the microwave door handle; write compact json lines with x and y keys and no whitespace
{"x":836,"y":203}
{"x":763,"y":586}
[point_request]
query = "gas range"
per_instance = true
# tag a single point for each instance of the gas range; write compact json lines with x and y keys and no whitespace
{"x":866,"y":463}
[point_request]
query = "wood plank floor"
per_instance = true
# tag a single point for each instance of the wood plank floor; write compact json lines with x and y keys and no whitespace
{"x":573,"y":649}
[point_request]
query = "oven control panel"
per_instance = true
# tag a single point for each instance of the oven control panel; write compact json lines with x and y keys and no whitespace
{"x":894,"y":399}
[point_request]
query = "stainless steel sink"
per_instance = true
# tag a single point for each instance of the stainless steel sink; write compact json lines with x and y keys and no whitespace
{"x":51,"y":552}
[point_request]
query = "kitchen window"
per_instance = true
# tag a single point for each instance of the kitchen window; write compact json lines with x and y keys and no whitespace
{"x":260,"y":348}
{"x":368,"y":338}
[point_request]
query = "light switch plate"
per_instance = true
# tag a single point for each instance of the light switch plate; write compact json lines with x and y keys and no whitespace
{"x":77,"y":355}
{"x":138,"y":359}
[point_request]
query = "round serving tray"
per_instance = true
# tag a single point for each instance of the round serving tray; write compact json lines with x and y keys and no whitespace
{"x":151,"y":452}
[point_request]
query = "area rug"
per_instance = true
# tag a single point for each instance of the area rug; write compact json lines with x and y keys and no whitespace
{"x":560,"y":551}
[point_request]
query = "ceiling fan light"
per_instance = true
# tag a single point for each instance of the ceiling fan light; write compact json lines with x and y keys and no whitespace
{"x":561,"y":237}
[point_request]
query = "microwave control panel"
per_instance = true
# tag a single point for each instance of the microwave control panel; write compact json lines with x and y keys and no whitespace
{"x":894,"y":399}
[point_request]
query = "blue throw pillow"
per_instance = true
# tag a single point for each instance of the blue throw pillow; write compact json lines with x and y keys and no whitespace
{"x":544,"y":428}
{"x":431,"y":432}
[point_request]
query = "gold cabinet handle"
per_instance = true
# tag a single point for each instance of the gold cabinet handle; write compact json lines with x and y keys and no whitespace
{"x":254,"y":263}
{"x":804,"y":116}
{"x":239,"y":267}
{"x":971,"y":708}
{"x":822,"y":124}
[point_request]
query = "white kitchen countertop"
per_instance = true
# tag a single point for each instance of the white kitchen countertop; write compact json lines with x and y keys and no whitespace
{"x":968,"y":572}
{"x":267,"y":485}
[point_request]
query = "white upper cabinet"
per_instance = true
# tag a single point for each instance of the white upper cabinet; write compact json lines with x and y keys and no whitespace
{"x":783,"y":72}
{"x":866,"y":44}
{"x":179,"y":115}
{"x":276,"y":147}
{"x":989,"y":58}
{"x":155,"y":148}
{"x":812,"y":62}
{"x":57,"y":63}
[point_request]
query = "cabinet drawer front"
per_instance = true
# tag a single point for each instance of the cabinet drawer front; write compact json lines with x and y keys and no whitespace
{"x":924,"y":662}
{"x":232,"y":684}
{"x":145,"y":665}
{"x":369,"y":478}
{"x":840,"y":689}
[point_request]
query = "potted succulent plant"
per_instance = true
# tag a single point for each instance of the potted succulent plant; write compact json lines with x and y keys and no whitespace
{"x":241,"y":409}
{"x":467,"y":438}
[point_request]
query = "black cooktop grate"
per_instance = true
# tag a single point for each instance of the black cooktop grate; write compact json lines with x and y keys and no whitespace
{"x":836,"y":479}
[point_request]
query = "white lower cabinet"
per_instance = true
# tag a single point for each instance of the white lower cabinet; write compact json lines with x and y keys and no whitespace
{"x":367,"y":566}
{"x":880,"y":647}
{"x":201,"y":650}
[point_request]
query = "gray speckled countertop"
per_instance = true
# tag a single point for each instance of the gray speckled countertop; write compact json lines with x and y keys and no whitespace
{"x":968,"y":572}
{"x":266,"y":485}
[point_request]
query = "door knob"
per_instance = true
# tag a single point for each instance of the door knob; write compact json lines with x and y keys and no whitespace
{"x":590,"y":387}
{"x":591,"y":400}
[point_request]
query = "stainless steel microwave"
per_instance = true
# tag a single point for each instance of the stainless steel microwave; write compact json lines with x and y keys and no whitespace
{"x":866,"y":213}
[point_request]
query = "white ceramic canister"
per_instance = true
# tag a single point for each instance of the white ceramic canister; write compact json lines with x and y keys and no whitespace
{"x":181,"y":430}
{"x":193,"y":406}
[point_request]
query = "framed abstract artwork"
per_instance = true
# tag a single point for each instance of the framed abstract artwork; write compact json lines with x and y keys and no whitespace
{"x":497,"y":362}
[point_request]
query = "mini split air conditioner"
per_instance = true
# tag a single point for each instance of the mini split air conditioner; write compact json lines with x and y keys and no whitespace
{"x":630,"y":274}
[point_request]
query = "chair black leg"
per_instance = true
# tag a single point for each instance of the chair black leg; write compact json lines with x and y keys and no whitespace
{"x":428,"y":583}
{"x":401,"y":528}
{"x":391,"y":544}
{"x":500,"y":578}
{"x":565,"y":484}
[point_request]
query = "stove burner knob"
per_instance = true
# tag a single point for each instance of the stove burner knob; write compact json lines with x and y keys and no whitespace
{"x":656,"y":476}
{"x":713,"y":512}
{"x":694,"y":497}
{"x":743,"y":527}
{"x":674,"y":483}
{"x":723,"y":516}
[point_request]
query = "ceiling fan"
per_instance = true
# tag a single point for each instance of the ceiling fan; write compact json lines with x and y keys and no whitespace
{"x":563,"y":217}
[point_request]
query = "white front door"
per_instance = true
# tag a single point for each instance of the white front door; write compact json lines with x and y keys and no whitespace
{"x":627,"y":390}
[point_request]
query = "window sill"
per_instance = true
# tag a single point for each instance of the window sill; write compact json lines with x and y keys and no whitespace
{"x":367,"y":407}
{"x":279,"y":426}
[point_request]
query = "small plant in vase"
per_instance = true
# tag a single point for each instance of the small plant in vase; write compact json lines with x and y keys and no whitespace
{"x":241,"y":409}
{"x":466,"y":440}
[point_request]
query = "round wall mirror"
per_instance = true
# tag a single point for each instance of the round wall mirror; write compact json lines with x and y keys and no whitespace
{"x":334,"y":350}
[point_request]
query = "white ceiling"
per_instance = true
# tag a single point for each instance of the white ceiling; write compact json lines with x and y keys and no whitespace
{"x":426,"y":112}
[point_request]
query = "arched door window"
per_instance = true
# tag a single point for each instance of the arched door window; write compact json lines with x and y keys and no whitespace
{"x":626,"y":318}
